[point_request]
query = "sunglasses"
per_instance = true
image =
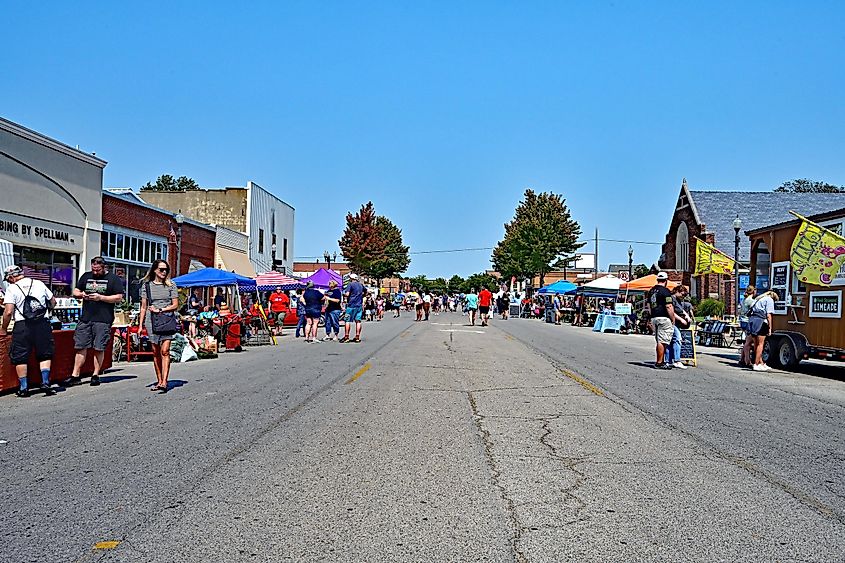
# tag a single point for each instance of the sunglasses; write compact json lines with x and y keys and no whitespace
{"x":163,"y":269}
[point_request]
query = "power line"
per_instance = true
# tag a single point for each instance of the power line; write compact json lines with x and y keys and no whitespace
{"x":480,"y":248}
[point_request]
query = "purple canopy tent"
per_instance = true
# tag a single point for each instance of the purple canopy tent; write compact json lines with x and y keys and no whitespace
{"x":322,"y":277}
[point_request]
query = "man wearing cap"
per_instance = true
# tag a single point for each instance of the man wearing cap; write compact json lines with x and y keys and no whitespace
{"x":28,"y":300}
{"x":99,"y":291}
{"x":354,"y":308}
{"x":662,"y":317}
{"x":333,"y":298}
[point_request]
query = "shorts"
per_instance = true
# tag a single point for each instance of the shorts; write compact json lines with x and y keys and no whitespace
{"x":312,"y":313}
{"x":744,"y":325}
{"x":483,"y":310}
{"x":353,"y":314}
{"x":280,"y":317}
{"x":92,"y":334}
{"x":663,"y":329}
{"x":29,"y":336}
{"x":758,"y":326}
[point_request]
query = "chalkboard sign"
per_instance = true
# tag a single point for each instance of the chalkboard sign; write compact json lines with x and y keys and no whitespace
{"x":688,"y":346}
{"x":779,"y":276}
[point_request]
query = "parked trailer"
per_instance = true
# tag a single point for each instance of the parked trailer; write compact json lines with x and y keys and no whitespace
{"x":807,"y":323}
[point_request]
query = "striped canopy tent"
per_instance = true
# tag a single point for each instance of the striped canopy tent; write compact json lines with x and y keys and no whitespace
{"x":269,"y":281}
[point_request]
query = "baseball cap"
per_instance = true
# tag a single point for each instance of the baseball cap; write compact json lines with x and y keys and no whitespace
{"x":12,"y":270}
{"x":662,"y":276}
{"x":353,"y":276}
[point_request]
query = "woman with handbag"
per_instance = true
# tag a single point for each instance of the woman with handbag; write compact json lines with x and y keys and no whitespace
{"x":159,"y":302}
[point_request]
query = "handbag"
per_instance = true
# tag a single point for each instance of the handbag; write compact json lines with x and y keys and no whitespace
{"x":163,"y":324}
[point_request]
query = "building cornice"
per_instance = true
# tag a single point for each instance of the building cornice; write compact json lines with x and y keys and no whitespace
{"x":35,"y":137}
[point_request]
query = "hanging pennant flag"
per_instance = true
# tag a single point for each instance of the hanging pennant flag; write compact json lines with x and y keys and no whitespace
{"x":817,"y":253}
{"x":709,"y":260}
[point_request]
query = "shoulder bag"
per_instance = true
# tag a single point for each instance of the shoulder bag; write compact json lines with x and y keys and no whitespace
{"x":163,"y":324}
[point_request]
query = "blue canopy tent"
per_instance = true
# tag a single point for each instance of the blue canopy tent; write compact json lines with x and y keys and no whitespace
{"x":212,"y":277}
{"x":560,"y":287}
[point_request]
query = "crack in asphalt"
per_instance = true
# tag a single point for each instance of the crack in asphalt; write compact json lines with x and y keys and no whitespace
{"x":800,"y":496}
{"x":570,"y":463}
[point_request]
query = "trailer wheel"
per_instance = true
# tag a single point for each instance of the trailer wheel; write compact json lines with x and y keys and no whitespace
{"x":770,"y":352}
{"x":786,"y":354}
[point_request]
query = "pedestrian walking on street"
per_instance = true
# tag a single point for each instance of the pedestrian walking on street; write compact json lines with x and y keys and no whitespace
{"x":300,"y":313}
{"x":29,"y":302}
{"x":485,"y":300}
{"x":333,"y":298}
{"x":426,"y":303}
{"x":99,"y":291}
{"x":471,"y":304}
{"x":747,"y":354}
{"x":398,"y":301}
{"x":159,"y":301}
{"x":662,"y":318}
{"x":760,"y":325}
{"x":354,"y":308}
{"x":313,"y":308}
{"x":682,"y":321}
{"x":278,"y":305}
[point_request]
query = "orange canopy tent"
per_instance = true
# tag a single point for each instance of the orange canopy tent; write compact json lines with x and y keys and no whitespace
{"x":644,"y":284}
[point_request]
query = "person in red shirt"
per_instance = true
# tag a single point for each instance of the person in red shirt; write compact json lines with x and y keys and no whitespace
{"x":485,"y":300}
{"x":278,"y":305}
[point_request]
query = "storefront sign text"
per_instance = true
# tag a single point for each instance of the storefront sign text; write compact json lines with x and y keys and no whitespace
{"x":826,"y":304}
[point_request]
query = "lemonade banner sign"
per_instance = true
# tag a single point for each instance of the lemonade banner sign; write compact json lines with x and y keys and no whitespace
{"x":817,"y":253}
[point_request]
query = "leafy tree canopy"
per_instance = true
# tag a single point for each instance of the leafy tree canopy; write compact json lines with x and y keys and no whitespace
{"x":372,"y":244}
{"x":541,"y":231}
{"x":456,"y":282}
{"x":479,"y":281}
{"x":167,"y":183}
{"x":805,"y":186}
{"x":640,"y":270}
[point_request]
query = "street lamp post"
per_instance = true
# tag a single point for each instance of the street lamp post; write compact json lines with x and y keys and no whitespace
{"x":273,"y":254}
{"x":179,"y":220}
{"x":737,"y":226}
{"x":630,"y":262}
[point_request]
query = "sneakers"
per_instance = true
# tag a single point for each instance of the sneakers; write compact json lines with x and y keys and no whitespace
{"x":95,"y":380}
{"x":344,"y":339}
{"x":48,"y":390}
{"x":73,"y":380}
{"x":22,"y":393}
{"x":679,"y":365}
{"x":761,"y":367}
{"x":662,"y":366}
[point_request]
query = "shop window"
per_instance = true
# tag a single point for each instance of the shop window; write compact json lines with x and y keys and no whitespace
{"x":285,"y":249}
{"x":55,"y":269}
{"x":764,"y":265}
{"x":261,"y":241}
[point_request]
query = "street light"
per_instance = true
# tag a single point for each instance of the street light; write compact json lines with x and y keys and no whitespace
{"x":737,"y":226}
{"x":630,"y":262}
{"x":273,"y":255}
{"x":179,"y":220}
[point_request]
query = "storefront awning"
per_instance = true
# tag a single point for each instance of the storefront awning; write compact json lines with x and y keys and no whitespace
{"x":234,"y":261}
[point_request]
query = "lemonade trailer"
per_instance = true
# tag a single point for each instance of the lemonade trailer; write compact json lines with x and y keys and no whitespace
{"x":803,"y":261}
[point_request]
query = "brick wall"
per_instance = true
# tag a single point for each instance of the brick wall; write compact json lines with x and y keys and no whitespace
{"x":197,"y":242}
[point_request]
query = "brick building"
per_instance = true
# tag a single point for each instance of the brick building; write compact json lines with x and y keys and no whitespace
{"x":709,"y":215}
{"x":135,"y":234}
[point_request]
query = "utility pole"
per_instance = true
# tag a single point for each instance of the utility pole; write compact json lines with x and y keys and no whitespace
{"x":597,"y":253}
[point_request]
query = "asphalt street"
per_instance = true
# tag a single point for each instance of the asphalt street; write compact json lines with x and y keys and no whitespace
{"x":436,"y":441}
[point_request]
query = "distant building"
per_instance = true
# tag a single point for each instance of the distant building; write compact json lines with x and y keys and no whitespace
{"x":266,"y":220}
{"x":709,"y":215}
{"x":232,"y":252}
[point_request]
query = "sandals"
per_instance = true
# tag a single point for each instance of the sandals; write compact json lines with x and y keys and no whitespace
{"x":357,"y":339}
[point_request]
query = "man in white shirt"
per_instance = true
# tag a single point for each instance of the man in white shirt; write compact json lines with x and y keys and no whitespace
{"x":29,"y":301}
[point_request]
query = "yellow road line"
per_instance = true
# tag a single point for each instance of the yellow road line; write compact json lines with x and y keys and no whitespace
{"x":509,"y":337}
{"x":106,"y":544}
{"x":582,"y":382}
{"x":359,"y":373}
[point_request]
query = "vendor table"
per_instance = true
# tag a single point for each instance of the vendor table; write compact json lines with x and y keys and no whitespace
{"x":607,"y":321}
{"x":62,"y":365}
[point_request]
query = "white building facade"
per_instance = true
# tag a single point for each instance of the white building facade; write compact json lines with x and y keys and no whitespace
{"x":270,"y":224}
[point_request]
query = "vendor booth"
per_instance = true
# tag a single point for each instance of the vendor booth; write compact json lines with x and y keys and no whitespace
{"x":269,"y":281}
{"x":643,"y":284}
{"x":322,"y":277}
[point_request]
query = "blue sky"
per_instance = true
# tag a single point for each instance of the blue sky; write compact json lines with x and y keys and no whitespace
{"x":441,"y":113}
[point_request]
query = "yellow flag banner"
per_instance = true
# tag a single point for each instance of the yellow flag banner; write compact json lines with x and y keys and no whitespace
{"x":817,"y":254}
{"x":708,"y":260}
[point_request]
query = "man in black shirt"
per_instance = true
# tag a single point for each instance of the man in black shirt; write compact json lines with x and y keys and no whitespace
{"x":99,"y":291}
{"x":662,"y":317}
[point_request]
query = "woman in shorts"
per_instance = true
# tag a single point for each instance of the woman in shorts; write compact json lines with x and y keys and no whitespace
{"x":158,"y":295}
{"x":744,"y":311}
{"x":760,"y":326}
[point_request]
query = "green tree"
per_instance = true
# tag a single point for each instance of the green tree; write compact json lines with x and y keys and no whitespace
{"x":805,"y":186}
{"x":438,"y":285}
{"x":455,"y":283}
{"x":419,"y":283}
{"x":478,"y":281}
{"x":167,"y":183}
{"x":640,"y":270}
{"x":372,"y":245}
{"x":541,"y":231}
